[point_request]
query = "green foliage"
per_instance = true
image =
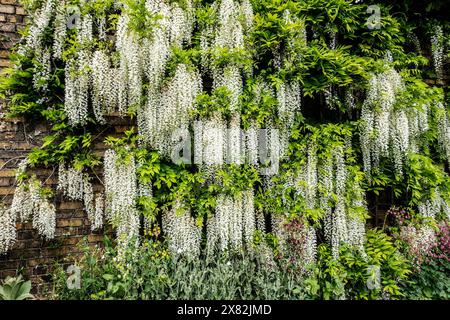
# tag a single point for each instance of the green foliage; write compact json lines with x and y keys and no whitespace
{"x":430,"y":282}
{"x":332,"y":67}
{"x":258,"y":105}
{"x":16,"y":85}
{"x":218,"y":102}
{"x":142,"y":21}
{"x":423,"y":177}
{"x":350,"y":275}
{"x":148,"y":272}
{"x":15,"y":289}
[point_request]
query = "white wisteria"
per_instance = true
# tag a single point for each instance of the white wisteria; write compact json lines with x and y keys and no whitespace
{"x":181,"y":230}
{"x":77,"y":186}
{"x":433,"y":207}
{"x":60,"y":32}
{"x":443,"y":126}
{"x":105,"y":86}
{"x":168,"y":110}
{"x":30,"y":204}
{"x":77,"y":76}
{"x":306,"y":180}
{"x":437,"y":50}
{"x":44,"y":219}
{"x":152,"y":75}
{"x":230,"y":32}
{"x":8,"y":231}
{"x":121,"y":193}
{"x":328,"y":186}
{"x":230,"y":77}
{"x":71,"y":182}
{"x":380,"y":118}
{"x":99,"y":211}
{"x":234,"y":223}
{"x":289,"y":98}
{"x":212,"y":135}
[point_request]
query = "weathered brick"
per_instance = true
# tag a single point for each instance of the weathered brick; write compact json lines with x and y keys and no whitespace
{"x":5,"y":8}
{"x":5,"y":182}
{"x":8,"y":27}
{"x":95,"y":238}
{"x":6,"y":191}
{"x":8,"y":1}
{"x":66,"y":205}
{"x":20,"y":11}
{"x":7,"y":173}
{"x":4,"y":63}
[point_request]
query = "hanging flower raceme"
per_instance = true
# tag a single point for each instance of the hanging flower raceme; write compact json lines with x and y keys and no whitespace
{"x":35,"y":42}
{"x":30,"y":204}
{"x":233,"y":224}
{"x":306,"y":181}
{"x":437,"y":50}
{"x":41,"y":20}
{"x":182,"y":232}
{"x":289,"y":98}
{"x":229,"y":33}
{"x":168,"y":110}
{"x":77,"y":76}
{"x":384,"y":127}
{"x":328,"y":184}
{"x":443,"y":126}
{"x":215,"y":144}
{"x":105,"y":87}
{"x":431,"y":208}
{"x":213,"y":141}
{"x":77,"y":186}
{"x":60,"y":31}
{"x":121,"y":194}
{"x":8,"y":231}
{"x":44,"y":219}
{"x":356,"y":222}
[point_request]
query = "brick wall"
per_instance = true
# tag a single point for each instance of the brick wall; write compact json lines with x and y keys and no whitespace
{"x":11,"y":20}
{"x":32,"y":255}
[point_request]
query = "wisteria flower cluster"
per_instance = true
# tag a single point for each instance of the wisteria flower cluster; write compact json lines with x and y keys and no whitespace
{"x":322,"y":183}
{"x":388,"y":130}
{"x":77,"y":76}
{"x":8,"y":231}
{"x":443,"y":124}
{"x":30,"y":204}
{"x":233,"y":224}
{"x":431,"y":208}
{"x":182,"y":232}
{"x":121,"y":193}
{"x":111,"y":66}
{"x":437,"y":50}
{"x":76,"y":186}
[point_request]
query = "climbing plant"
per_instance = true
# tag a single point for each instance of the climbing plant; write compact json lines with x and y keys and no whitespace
{"x":259,"y":126}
